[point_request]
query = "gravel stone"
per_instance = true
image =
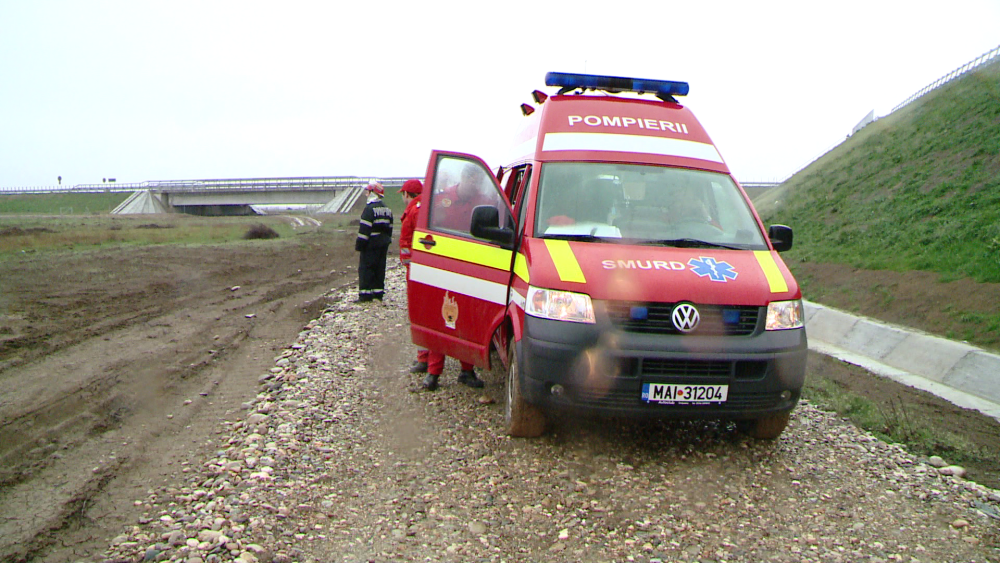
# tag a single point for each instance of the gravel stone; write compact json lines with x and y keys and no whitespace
{"x":334,"y":460}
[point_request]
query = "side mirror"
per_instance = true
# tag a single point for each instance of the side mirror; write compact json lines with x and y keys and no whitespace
{"x":485,"y":225}
{"x":781,"y":237}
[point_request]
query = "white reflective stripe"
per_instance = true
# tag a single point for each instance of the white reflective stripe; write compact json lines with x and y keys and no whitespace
{"x":363,"y":222}
{"x":518,"y":299}
{"x":363,"y":237}
{"x":630,"y":143}
{"x":458,"y":283}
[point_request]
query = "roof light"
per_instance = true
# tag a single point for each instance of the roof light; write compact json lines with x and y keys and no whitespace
{"x":527,"y":110}
{"x":664,"y":89}
{"x":539,"y":96}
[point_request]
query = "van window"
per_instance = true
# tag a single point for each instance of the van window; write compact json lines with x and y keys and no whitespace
{"x":522,"y":197}
{"x":459,"y":187}
{"x":638,"y":203}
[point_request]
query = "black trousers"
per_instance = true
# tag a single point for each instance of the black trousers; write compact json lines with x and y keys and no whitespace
{"x":371,"y":272}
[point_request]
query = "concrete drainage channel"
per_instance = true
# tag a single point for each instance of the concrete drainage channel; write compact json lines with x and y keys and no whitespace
{"x":965,"y":375}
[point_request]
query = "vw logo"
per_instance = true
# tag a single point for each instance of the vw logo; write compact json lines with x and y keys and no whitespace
{"x":685,"y":317}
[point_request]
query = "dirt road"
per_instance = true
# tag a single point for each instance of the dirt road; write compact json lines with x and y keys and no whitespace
{"x":114,"y":363}
{"x":120,"y":370}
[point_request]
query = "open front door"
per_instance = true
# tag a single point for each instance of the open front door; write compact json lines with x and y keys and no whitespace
{"x":458,"y":284}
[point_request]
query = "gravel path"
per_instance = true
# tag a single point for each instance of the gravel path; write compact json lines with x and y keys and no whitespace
{"x":334,"y":460}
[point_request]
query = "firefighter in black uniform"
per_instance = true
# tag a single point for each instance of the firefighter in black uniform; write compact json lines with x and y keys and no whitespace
{"x":374,"y":236}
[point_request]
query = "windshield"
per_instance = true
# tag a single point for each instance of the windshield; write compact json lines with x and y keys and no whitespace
{"x":644,"y":204}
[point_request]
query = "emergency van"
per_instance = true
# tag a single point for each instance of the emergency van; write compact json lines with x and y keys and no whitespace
{"x":613,"y":266}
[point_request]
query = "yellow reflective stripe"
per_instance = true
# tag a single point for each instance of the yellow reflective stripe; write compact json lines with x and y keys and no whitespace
{"x":521,"y":268}
{"x":465,"y":250}
{"x":771,"y":271}
{"x":565,"y":261}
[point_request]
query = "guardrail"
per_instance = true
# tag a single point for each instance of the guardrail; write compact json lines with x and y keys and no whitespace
{"x":83,"y":188}
{"x":310,"y":183}
{"x":989,"y":57}
{"x":983,"y":59}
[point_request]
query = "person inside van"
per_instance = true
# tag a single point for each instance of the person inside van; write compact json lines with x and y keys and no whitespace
{"x":587,"y":209}
{"x":688,"y":206}
{"x":452,"y":207}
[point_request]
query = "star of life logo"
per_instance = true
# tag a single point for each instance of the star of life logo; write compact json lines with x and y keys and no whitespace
{"x":715,"y":270}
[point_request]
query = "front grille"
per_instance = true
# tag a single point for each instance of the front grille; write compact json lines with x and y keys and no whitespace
{"x":743,"y":370}
{"x":654,"y":318}
{"x":692,"y":368}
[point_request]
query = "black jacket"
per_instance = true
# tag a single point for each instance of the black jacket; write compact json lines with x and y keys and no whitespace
{"x":376,"y":226}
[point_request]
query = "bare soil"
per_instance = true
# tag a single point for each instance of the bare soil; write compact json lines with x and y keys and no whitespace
{"x":118,"y":366}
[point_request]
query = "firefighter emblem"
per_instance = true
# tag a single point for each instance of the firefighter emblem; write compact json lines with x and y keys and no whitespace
{"x":449,"y":310}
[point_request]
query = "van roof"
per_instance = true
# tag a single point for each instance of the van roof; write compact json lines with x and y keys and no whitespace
{"x":612,"y":128}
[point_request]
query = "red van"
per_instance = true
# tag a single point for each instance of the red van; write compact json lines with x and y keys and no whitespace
{"x":613,"y":266}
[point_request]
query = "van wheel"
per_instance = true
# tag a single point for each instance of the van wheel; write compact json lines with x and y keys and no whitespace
{"x":765,"y":428}
{"x":522,"y":419}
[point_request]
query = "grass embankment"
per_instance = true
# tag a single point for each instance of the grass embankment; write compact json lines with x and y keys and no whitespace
{"x":916,"y":190}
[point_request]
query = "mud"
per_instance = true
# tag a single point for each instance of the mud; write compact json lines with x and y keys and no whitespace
{"x":118,"y":366}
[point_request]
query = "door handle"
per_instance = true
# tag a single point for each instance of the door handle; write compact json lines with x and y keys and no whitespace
{"x":427,"y":241}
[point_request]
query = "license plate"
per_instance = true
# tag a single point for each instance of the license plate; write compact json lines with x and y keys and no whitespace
{"x":673,"y":394}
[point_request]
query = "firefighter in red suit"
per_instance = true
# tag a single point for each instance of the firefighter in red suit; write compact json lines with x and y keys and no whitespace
{"x":453,"y":206}
{"x":429,"y":362}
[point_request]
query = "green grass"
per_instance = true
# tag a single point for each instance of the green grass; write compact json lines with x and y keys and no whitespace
{"x":61,"y":204}
{"x":983,"y":329}
{"x":917,"y":190}
{"x":67,"y":222}
{"x":72,"y":233}
{"x":894,"y":423}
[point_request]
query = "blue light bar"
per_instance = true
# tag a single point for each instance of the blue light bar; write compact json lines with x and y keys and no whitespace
{"x":662,"y":88}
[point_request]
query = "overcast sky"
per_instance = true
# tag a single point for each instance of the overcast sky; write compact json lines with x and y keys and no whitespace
{"x":142,"y":90}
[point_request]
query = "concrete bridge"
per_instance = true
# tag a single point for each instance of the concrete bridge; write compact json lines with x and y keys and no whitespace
{"x":754,"y":189}
{"x":233,"y":196}
{"x":247,"y":196}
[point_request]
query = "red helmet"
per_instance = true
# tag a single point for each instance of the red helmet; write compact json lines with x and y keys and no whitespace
{"x":377,"y":188}
{"x":412,"y":187}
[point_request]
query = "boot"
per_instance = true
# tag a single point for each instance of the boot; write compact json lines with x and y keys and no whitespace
{"x":418,"y":367}
{"x":469,"y":378}
{"x":430,"y":382}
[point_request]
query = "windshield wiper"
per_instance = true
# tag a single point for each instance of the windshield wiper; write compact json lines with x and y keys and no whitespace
{"x":690,"y":243}
{"x":582,"y":236}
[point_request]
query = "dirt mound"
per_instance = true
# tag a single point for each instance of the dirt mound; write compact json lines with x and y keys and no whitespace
{"x":19,"y":231}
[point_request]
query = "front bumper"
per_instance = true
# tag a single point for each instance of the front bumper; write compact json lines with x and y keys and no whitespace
{"x":600,"y":369}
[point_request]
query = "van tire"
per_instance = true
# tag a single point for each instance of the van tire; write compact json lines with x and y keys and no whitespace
{"x":766,"y":427}
{"x":522,"y":419}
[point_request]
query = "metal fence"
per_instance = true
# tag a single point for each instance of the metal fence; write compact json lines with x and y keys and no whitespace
{"x":311,"y":183}
{"x":988,"y":57}
{"x":983,"y":59}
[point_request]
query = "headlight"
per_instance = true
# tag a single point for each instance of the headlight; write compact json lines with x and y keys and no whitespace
{"x":783,"y":315}
{"x":560,"y":305}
